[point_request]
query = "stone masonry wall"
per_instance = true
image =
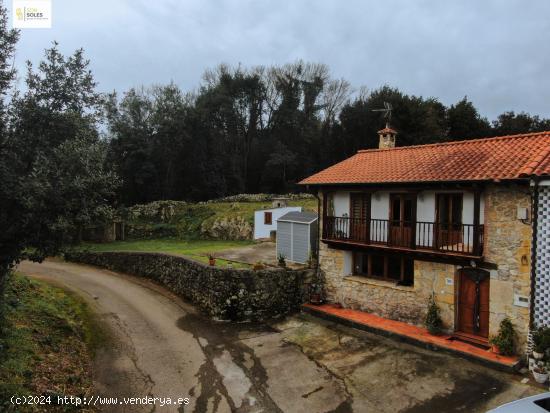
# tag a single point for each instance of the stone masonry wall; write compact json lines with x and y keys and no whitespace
{"x":386,"y":299}
{"x":227,"y":294}
{"x":508,"y":244}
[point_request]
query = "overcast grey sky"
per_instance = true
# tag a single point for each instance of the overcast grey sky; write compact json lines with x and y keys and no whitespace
{"x":494,"y":51}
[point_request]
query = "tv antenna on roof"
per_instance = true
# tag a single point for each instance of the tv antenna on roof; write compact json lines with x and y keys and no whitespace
{"x":387,"y":112}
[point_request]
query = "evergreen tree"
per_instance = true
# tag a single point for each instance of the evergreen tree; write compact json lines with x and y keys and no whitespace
{"x":511,"y":123}
{"x":53,"y":169}
{"x":465,"y":122}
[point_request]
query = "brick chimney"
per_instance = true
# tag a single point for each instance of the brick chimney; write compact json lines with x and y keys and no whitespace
{"x":387,"y":137}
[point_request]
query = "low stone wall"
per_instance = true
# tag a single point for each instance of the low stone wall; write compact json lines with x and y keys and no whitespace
{"x":222,"y":293}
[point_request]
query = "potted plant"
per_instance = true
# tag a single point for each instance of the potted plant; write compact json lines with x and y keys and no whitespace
{"x":211,"y":259}
{"x":433,"y":321}
{"x":495,"y":344}
{"x":316,"y":294}
{"x":540,"y":372}
{"x":541,"y":342}
{"x":258,"y":265}
{"x":281,"y":260}
{"x":503,"y":342}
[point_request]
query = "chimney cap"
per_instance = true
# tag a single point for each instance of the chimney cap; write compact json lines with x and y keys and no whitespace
{"x":387,"y":129}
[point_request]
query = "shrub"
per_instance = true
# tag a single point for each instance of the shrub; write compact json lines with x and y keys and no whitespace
{"x":541,"y":339}
{"x":504,"y":340}
{"x":433,"y":320}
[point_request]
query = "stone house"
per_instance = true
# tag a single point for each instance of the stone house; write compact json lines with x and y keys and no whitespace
{"x":467,"y":222}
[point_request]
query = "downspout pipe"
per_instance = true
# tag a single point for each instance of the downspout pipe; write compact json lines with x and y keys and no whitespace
{"x":318,"y":267}
{"x":534,"y":222}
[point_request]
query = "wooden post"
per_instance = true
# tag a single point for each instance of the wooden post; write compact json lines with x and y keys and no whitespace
{"x":368,"y":217}
{"x":324,"y":195}
{"x":477,"y":203}
{"x":413,"y":223}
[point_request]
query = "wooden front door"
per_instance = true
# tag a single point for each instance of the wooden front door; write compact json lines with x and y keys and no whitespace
{"x":401,"y":219}
{"x":473,"y":302}
{"x":359,"y":216}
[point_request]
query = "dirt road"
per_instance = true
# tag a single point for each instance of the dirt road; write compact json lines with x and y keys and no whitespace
{"x":162,"y":348}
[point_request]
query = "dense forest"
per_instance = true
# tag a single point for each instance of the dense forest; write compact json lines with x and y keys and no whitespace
{"x":264,"y":128}
{"x":70,"y":155}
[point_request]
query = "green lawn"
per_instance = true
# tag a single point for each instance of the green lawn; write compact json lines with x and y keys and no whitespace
{"x":194,"y":249}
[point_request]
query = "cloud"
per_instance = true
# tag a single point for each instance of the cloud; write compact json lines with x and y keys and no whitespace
{"x":493,"y":51}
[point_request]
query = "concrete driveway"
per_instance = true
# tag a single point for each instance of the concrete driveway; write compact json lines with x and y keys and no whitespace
{"x":262,"y":251}
{"x":162,"y":348}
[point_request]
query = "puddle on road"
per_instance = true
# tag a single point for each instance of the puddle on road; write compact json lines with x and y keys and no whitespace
{"x":234,"y":379}
{"x":231,"y":369}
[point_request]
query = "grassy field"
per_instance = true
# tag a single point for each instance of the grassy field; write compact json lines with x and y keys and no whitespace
{"x":47,"y":342}
{"x":246,"y":209}
{"x":194,"y":249}
{"x":165,"y":219}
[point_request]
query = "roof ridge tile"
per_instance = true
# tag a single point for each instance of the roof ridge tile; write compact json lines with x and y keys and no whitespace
{"x":462,"y":142}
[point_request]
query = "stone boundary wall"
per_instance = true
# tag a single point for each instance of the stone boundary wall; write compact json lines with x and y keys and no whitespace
{"x":221,"y":293}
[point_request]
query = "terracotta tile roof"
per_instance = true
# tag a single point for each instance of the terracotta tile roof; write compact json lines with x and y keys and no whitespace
{"x":499,"y":158}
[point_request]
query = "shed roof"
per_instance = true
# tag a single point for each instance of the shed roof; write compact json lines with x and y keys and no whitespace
{"x":500,"y":158}
{"x":305,"y":217}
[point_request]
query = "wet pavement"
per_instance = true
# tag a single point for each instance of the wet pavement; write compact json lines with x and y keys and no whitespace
{"x":162,"y":347}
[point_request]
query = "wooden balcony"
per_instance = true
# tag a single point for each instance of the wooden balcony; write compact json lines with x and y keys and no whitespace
{"x":465,"y":240}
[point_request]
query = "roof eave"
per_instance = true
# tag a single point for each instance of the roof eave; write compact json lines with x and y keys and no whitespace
{"x":393,"y":183}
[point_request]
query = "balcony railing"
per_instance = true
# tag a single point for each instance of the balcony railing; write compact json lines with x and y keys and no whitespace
{"x":449,"y":238}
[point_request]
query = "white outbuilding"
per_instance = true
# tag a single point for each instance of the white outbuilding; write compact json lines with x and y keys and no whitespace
{"x":265,"y":220}
{"x":297,"y":236}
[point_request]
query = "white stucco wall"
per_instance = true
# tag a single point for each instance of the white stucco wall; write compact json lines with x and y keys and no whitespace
{"x":425,"y":212}
{"x":262,"y":230}
{"x":425,"y":207}
{"x":380,"y":205}
{"x":341,"y":204}
{"x":380,"y":209}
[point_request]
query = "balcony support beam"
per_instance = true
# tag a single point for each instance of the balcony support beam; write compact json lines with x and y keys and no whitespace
{"x":477,"y":207}
{"x":418,"y":254}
